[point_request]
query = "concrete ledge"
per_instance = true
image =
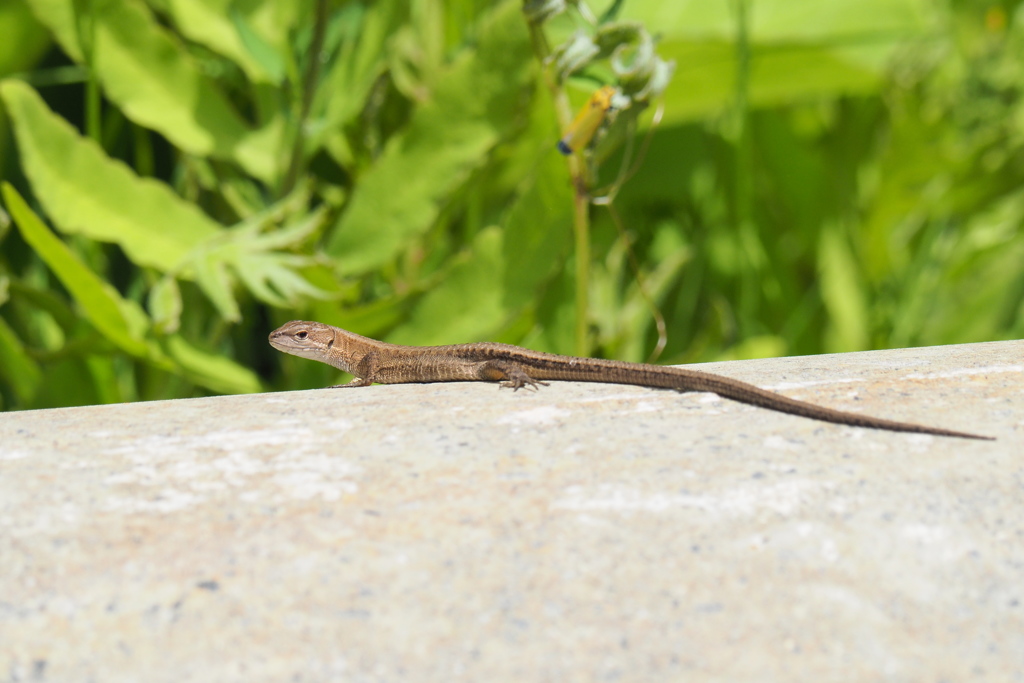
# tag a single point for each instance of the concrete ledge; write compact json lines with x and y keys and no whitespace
{"x":579,"y":533}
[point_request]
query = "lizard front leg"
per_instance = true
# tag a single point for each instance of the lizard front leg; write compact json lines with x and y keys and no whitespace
{"x":357,"y":382}
{"x":365,"y":371}
{"x":509,"y":373}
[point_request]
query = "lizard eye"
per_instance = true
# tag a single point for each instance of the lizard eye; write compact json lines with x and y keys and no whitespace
{"x":301,"y":335}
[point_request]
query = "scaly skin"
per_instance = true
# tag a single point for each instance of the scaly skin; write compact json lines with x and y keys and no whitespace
{"x":376,"y":361}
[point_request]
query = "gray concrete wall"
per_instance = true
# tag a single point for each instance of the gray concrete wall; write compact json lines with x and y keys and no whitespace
{"x":580,"y":533}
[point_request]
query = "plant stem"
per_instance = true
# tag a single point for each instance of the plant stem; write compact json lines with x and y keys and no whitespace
{"x":309,"y":83}
{"x":746,"y":235}
{"x":581,"y":197}
{"x":581,"y":228}
{"x":85,"y":28}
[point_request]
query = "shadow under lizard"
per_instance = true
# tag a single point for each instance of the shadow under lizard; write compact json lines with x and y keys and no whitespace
{"x":376,"y":361}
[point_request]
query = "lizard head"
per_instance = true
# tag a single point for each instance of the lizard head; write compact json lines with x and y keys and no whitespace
{"x":304,"y":339}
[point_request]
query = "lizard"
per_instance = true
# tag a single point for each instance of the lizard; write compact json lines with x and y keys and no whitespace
{"x":372,"y":361}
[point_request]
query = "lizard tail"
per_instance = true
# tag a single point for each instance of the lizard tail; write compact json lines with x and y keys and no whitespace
{"x":684,"y":379}
{"x":753,"y":395}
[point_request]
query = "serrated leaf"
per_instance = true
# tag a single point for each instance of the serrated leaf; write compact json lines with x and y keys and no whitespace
{"x":473,"y":105}
{"x":211,"y":275}
{"x":120,"y":321}
{"x":281,"y":274}
{"x":255,"y":271}
{"x":271,"y":277}
{"x":268,"y":275}
{"x":85,"y":192}
{"x":157,"y":84}
{"x":291,"y":235}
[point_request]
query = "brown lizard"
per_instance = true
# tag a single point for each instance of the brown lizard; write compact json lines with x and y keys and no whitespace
{"x":376,"y":361}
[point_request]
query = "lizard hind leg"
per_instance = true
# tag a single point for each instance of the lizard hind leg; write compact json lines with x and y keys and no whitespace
{"x":510,"y":374}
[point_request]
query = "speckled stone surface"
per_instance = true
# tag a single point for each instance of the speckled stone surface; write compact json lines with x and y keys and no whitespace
{"x":580,"y":533}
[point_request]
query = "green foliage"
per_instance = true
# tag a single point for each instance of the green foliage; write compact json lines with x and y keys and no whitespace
{"x":472,"y":107}
{"x":87,"y":193}
{"x":824,"y":177}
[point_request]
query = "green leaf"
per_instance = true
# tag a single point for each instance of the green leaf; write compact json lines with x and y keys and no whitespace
{"x":260,"y":51}
{"x":504,"y":270}
{"x":799,"y":49}
{"x":5,"y":220}
{"x":623,"y":315}
{"x":473,"y":106}
{"x":974,"y":269}
{"x":271,"y":279}
{"x":270,"y":276}
{"x":50,"y":316}
{"x":156,"y":83}
{"x":467,"y":305}
{"x":208,"y":23}
{"x":538,"y":232}
{"x":763,"y":346}
{"x":288,"y":236}
{"x":364,"y":34}
{"x":213,"y":371}
{"x":104,"y":379}
{"x":277,"y":22}
{"x":85,"y":192}
{"x":373,"y":319}
{"x":165,"y":305}
{"x":843,"y":294}
{"x":17,"y":368}
{"x":25,"y":40}
{"x":212,"y":276}
{"x":120,"y":321}
{"x":67,"y":382}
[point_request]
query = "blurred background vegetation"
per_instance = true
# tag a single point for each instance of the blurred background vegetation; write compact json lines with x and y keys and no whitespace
{"x":182,"y":176}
